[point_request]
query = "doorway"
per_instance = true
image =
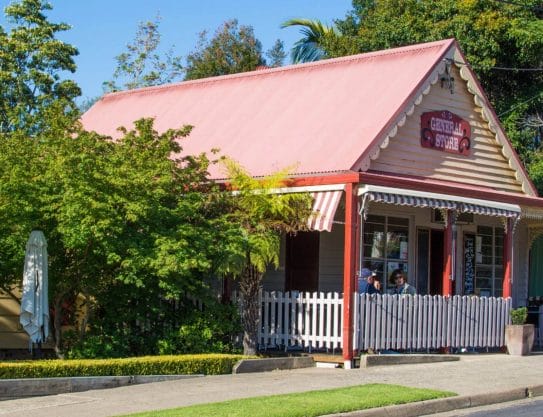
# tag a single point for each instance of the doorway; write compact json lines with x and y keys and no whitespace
{"x":430,"y":261}
{"x":302,"y":262}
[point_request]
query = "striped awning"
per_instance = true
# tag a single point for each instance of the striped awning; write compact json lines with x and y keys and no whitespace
{"x":487,"y":210}
{"x":412,"y":201}
{"x":414,"y":198}
{"x":325,"y":204}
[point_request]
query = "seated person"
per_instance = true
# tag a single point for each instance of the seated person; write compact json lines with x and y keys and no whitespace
{"x":402,"y":287}
{"x":377,"y":285}
{"x":366,"y":282}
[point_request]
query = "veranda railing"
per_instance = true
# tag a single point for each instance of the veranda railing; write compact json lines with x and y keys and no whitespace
{"x":382,"y":322}
{"x":430,"y":322}
{"x":300,"y":320}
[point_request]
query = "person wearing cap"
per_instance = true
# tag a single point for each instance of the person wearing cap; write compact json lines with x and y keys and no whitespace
{"x":366,"y":282}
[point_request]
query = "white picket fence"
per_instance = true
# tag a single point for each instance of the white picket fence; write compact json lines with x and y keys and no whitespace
{"x":303,"y":320}
{"x":382,"y":322}
{"x":430,"y":322}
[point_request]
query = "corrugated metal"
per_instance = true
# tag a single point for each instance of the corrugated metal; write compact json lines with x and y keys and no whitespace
{"x":318,"y":117}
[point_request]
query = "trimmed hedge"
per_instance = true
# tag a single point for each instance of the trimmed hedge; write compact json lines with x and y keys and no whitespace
{"x":207,"y":364}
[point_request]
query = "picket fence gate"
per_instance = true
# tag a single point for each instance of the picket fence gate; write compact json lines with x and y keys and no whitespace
{"x":382,"y":322}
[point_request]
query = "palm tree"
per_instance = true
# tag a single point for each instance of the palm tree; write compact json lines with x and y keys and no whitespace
{"x":316,"y":34}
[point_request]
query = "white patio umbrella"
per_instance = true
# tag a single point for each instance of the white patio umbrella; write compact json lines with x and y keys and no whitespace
{"x":35,"y":304}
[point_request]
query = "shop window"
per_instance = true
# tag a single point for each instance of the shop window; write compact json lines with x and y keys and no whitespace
{"x":489,"y":261}
{"x":385,"y":246}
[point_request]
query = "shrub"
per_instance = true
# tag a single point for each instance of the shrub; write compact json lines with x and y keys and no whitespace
{"x":519,"y":315}
{"x":214,"y":364}
{"x":209,"y":331}
{"x":171,"y":332}
{"x":96,"y":346}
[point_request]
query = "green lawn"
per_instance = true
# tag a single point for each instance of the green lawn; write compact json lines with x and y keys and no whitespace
{"x":307,"y":404}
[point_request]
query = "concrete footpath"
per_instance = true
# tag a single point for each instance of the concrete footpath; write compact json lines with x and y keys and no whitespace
{"x":478,"y":379}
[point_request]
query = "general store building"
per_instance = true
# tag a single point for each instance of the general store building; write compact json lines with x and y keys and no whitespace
{"x":407,"y":161}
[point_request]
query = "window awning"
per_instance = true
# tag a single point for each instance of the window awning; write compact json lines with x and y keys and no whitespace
{"x":408,"y":200}
{"x":325,"y":204}
{"x":488,"y":210}
{"x":414,"y":198}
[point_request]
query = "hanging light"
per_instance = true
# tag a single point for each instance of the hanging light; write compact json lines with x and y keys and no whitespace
{"x":447,"y":81}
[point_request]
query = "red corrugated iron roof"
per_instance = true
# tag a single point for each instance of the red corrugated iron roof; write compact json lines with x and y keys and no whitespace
{"x":318,"y":117}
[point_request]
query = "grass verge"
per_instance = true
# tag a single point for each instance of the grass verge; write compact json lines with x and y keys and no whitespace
{"x":307,"y":404}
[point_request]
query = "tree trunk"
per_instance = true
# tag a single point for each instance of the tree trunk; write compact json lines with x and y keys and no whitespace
{"x":250,"y":316}
{"x":57,"y":323}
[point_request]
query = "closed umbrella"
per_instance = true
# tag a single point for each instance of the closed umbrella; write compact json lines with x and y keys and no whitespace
{"x":35,"y":304}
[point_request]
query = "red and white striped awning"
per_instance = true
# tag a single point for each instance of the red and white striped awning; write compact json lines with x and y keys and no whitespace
{"x":325,"y":204}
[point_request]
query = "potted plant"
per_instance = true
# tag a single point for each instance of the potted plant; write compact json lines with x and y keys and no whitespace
{"x":519,"y":336}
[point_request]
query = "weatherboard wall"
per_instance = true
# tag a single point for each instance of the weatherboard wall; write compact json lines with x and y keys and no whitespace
{"x":485,"y":166}
{"x":12,"y":336}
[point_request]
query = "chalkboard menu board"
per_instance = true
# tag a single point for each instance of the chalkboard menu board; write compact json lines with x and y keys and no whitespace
{"x":469,"y":264}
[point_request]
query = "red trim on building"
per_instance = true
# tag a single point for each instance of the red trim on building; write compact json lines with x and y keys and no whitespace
{"x":329,"y":179}
{"x":507,"y":258}
{"x":349,"y":271}
{"x":447,"y":289}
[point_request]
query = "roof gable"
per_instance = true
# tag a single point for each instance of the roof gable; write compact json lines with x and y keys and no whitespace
{"x":329,"y":116}
{"x":482,"y":106}
{"x":483,"y":165}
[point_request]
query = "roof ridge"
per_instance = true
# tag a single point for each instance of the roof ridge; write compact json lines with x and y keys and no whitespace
{"x":287,"y":68}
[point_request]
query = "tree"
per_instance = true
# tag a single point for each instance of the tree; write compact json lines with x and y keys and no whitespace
{"x":316,"y":35}
{"x":252,"y":236}
{"x":142,"y":65}
{"x":491,"y":34}
{"x":276,"y":54}
{"x":32,"y":61}
{"x":129,"y":223}
{"x":232,"y":49}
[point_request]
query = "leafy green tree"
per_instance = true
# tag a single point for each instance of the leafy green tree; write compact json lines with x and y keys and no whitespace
{"x":142,"y":65}
{"x":130,"y":225}
{"x":491,"y":34}
{"x":32,"y":61}
{"x":233,"y":48}
{"x":252,"y":236}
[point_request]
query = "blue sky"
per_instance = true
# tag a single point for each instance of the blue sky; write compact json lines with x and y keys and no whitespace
{"x":102,"y":28}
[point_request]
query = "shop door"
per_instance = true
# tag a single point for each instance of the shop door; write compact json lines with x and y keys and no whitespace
{"x":302,"y":262}
{"x":430,"y":261}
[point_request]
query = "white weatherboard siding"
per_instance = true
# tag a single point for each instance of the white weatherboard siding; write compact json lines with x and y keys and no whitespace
{"x":485,"y":166}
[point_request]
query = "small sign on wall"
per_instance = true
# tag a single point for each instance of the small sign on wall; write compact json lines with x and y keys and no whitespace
{"x":445,"y":131}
